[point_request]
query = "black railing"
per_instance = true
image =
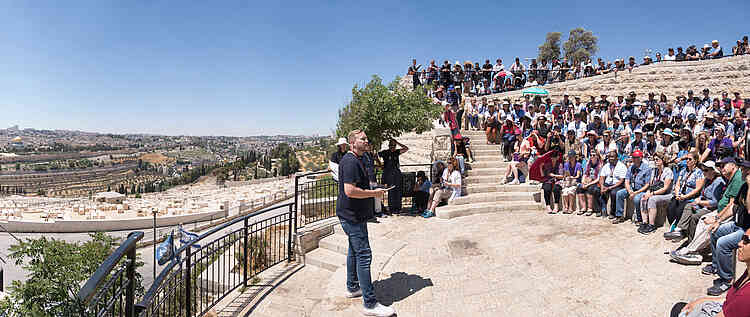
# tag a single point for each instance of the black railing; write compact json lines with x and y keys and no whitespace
{"x":316,"y":193}
{"x":544,"y":76}
{"x":202,"y":272}
{"x":109,"y":293}
{"x":232,"y":257}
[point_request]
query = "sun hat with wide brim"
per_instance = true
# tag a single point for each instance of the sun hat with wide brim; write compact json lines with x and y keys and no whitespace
{"x":341,"y":141}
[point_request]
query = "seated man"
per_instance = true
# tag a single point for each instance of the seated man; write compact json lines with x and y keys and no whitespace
{"x":691,"y":224}
{"x":724,"y":237}
{"x":611,"y":178}
{"x":636,"y":181}
{"x":737,"y":302}
{"x":421,"y":192}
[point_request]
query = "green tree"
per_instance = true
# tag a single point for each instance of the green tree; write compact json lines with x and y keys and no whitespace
{"x":384,"y":112}
{"x":581,"y":44}
{"x":550,"y":50}
{"x":57,"y":269}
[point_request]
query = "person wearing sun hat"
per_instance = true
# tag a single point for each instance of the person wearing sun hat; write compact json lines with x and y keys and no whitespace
{"x":333,"y":163}
{"x":725,"y":235}
{"x":636,"y":180}
{"x":691,"y":223}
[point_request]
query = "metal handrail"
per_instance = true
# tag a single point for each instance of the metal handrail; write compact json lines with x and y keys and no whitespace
{"x":89,"y":289}
{"x":149,"y":296}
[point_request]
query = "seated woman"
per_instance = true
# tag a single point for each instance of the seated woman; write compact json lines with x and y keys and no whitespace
{"x":493,"y":123}
{"x":572,"y":177}
{"x":520,"y":164}
{"x":450,"y":188}
{"x":688,"y":186}
{"x":737,"y":302}
{"x":551,"y":175}
{"x":588,"y":191}
{"x":659,"y":192}
{"x":509,"y":136}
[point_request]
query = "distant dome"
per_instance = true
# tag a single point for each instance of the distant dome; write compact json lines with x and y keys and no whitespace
{"x":16,"y":139}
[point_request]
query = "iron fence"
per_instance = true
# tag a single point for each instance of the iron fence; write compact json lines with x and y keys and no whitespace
{"x":201,"y":273}
{"x":111,"y":290}
{"x":316,"y":193}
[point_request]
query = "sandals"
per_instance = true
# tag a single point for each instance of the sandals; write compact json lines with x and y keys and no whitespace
{"x":428,"y":213}
{"x":581,"y":212}
{"x":567,"y":212}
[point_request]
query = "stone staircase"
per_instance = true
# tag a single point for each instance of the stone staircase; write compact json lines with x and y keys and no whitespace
{"x":482,"y":190}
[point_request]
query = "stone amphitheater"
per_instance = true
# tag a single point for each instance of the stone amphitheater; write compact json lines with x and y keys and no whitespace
{"x":493,"y":252}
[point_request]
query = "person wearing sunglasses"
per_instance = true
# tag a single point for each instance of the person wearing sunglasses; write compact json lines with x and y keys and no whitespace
{"x":737,"y":301}
{"x":726,"y":234}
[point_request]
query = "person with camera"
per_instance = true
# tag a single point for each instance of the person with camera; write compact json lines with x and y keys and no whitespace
{"x":659,"y":192}
{"x":448,"y":189}
{"x":691,"y":222}
{"x":354,"y":207}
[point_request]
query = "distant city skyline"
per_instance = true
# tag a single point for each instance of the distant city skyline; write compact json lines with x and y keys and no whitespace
{"x":243,"y":69}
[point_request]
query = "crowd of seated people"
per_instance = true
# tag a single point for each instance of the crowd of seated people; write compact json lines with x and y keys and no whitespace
{"x":489,"y":78}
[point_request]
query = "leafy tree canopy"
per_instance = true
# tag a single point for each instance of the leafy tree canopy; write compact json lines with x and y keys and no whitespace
{"x":57,"y":270}
{"x":581,"y":45}
{"x":384,"y":112}
{"x":550,"y":50}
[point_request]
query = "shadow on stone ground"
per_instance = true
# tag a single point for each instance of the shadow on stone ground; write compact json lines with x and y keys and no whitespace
{"x":398,"y":286}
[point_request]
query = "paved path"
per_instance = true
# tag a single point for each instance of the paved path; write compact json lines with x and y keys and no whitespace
{"x":520,"y":263}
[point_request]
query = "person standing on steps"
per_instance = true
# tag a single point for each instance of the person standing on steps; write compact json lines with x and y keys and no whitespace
{"x":353,"y":208}
{"x":392,"y":173}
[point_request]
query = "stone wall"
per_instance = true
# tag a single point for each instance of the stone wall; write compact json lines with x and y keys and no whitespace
{"x":672,"y":78}
{"x":426,"y":147}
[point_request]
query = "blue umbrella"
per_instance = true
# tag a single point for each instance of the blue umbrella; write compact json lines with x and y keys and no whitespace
{"x":535,"y":91}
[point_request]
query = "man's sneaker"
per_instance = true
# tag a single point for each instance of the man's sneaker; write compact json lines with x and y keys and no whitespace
{"x":718,"y":288}
{"x":687,"y":259}
{"x":619,"y":220}
{"x":514,"y":182}
{"x":674,"y":235}
{"x":354,"y":294}
{"x":650,"y":228}
{"x":641,"y":228}
{"x":379,"y":310}
{"x":709,"y":270}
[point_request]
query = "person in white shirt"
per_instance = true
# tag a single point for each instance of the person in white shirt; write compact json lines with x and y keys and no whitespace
{"x":670,"y":55}
{"x":611,"y":179}
{"x":450,"y":188}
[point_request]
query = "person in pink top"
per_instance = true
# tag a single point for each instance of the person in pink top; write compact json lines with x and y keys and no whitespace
{"x":737,"y":301}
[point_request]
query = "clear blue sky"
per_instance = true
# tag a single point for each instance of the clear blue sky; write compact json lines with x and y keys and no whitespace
{"x":268,"y":67}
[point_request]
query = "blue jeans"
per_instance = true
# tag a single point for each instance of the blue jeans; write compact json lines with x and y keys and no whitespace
{"x":358,"y":261}
{"x":623,"y":194}
{"x":723,"y":241}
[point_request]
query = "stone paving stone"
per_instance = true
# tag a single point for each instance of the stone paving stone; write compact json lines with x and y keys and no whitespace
{"x":522,"y":264}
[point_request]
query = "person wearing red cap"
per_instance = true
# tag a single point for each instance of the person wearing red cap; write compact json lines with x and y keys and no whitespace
{"x":636,"y":183}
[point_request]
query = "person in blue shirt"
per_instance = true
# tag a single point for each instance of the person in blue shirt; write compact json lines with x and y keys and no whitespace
{"x":636,"y":184}
{"x":421,"y":193}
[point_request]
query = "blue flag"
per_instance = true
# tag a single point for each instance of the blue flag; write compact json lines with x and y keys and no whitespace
{"x":187,"y":237}
{"x":165,"y":251}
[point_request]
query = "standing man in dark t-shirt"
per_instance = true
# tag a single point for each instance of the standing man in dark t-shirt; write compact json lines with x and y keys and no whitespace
{"x":353,"y":207}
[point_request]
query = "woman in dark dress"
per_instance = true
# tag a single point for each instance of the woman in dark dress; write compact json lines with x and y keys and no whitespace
{"x":392,"y":173}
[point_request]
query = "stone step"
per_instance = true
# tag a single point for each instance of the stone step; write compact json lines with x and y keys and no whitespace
{"x":485,"y":171}
{"x":482,"y":146}
{"x":497,"y":163}
{"x":489,"y":152}
{"x":452,"y":211}
{"x":325,"y":259}
{"x":488,"y":157}
{"x":483,"y":179}
{"x":482,"y":188}
{"x":495,"y":196}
